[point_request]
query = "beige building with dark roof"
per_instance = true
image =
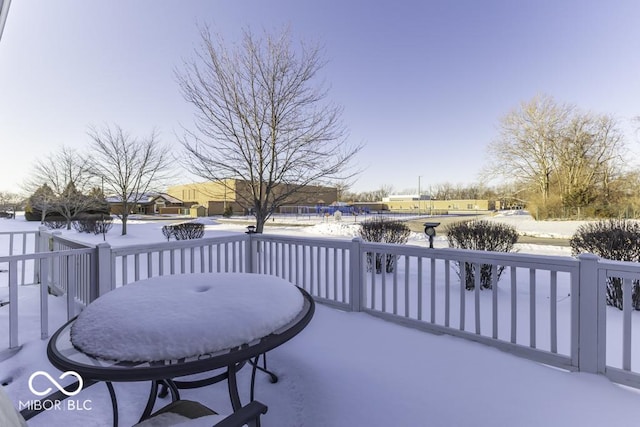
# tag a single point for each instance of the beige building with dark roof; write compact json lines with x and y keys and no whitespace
{"x":235,"y":193}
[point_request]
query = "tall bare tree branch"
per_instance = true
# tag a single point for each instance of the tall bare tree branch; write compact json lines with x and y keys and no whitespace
{"x":261,"y":118}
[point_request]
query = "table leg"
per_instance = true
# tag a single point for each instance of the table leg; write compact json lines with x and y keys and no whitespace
{"x":255,"y":365}
{"x":151,"y":401}
{"x":175,"y":394}
{"x":114,"y":402}
{"x":153,"y":393}
{"x":255,"y":362}
{"x":232,"y":383}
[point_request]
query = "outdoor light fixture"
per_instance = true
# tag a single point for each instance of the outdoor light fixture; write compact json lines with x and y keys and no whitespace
{"x":430,"y":231}
{"x":251,"y":229}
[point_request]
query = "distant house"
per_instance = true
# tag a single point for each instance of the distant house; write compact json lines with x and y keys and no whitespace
{"x":151,"y":203}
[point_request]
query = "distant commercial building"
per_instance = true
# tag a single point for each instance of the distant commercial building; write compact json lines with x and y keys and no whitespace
{"x":425,"y":204}
{"x":236,"y":194}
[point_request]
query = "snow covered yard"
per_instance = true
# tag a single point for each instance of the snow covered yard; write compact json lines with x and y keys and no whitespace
{"x":349,"y":369}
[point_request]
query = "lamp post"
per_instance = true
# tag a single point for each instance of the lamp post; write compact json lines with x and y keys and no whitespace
{"x":430,"y":231}
{"x":419,"y":198}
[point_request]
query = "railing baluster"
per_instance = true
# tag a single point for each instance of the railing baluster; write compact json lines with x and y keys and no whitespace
{"x":514,"y":303}
{"x":13,"y":303}
{"x":463,"y":275}
{"x":203,"y":266}
{"x":373,"y":280}
{"x":218,"y":255}
{"x":24,"y":262}
{"x":395,"y":280}
{"x":335,"y":274}
{"x":494,"y":300}
{"x":210,"y":258}
{"x":432,"y":284}
{"x":383,"y":280}
{"x":150,"y":264}
{"x":627,"y":307}
{"x":447,"y":292}
{"x":124,"y":270}
{"x":406,"y":286}
{"x":420,"y":288}
{"x":235,"y":256}
{"x":343,"y":257}
{"x":44,"y":300}
{"x":136,"y":267}
{"x":532,"y":308}
{"x":304,"y":267}
{"x":477,"y":279}
{"x":327,"y":275}
{"x":553,"y":300}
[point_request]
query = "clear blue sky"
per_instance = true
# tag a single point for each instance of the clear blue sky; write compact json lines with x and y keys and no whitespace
{"x":423,"y":83}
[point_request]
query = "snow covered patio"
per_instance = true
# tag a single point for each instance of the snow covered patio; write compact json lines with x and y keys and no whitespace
{"x":350,"y":369}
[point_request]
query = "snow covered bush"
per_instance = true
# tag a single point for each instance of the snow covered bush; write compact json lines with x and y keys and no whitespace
{"x":382,"y":230}
{"x":96,"y":224}
{"x":481,"y":236}
{"x":55,"y":224}
{"x":616,"y":239}
{"x":183,"y":231}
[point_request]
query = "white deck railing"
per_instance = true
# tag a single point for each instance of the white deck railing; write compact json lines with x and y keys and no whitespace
{"x":546,"y":308}
{"x":18,"y":243}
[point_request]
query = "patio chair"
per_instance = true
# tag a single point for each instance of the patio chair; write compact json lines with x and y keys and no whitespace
{"x":189,"y":413}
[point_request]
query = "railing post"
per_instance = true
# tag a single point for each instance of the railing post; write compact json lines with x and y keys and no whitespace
{"x":41,"y":244}
{"x":357,"y":291}
{"x":104,"y":280}
{"x":250,"y":255}
{"x":589,"y":318}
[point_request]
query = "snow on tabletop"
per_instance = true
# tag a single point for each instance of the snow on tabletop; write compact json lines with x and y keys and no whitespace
{"x":171,"y":317}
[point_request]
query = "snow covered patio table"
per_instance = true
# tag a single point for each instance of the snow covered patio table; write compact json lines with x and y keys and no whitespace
{"x":167,"y":327}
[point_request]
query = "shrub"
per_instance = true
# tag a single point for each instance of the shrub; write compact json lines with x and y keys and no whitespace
{"x":184,"y":231}
{"x":96,"y":224}
{"x":616,"y":239}
{"x":167,"y":231}
{"x":103,"y":225}
{"x":384,"y":231}
{"x":481,"y":236}
{"x":228,"y":211}
{"x":55,"y":223}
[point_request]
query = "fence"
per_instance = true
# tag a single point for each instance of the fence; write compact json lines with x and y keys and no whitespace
{"x":546,"y":308}
{"x":18,"y":243}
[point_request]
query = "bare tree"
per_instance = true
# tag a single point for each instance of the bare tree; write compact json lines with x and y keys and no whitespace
{"x":567,"y":157}
{"x":524,"y":149}
{"x":261,"y":119}
{"x":587,"y":157}
{"x":42,"y":200}
{"x":128,"y":167}
{"x":66,"y":173}
{"x":10,"y":201}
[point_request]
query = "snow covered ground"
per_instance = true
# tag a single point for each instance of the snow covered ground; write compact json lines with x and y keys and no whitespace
{"x":349,"y":369}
